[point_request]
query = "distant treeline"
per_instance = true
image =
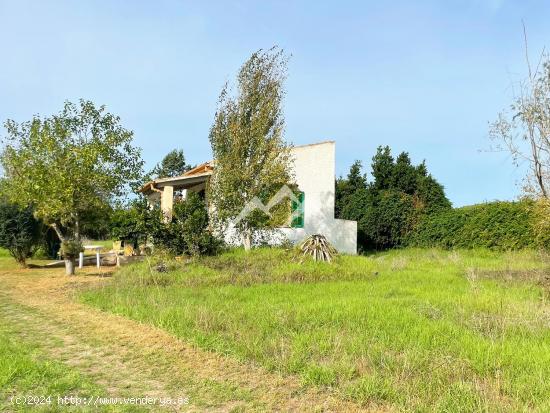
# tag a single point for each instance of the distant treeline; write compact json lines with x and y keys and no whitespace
{"x":404,"y":205}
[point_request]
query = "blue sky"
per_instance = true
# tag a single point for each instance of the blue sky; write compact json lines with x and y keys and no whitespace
{"x":424,"y":77}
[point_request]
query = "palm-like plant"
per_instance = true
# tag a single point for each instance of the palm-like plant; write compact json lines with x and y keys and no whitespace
{"x":318,"y":247}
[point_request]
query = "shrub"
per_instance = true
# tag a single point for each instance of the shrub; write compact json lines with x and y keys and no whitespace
{"x":20,"y":232}
{"x":388,"y":208}
{"x":541,"y":211}
{"x":187,"y":232}
{"x":389,"y":220}
{"x":96,"y":220}
{"x":495,"y":225}
{"x":190,"y":219}
{"x":70,"y":249}
{"x":124,"y":224}
{"x":51,"y":244}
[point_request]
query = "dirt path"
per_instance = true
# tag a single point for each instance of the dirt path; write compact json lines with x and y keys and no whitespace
{"x":131,"y":359}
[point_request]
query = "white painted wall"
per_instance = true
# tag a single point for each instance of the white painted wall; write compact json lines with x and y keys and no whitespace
{"x":167,"y":201}
{"x":313,"y":168}
{"x":314,"y":173}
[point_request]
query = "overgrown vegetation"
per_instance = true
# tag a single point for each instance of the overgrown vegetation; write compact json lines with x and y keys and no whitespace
{"x":405,"y":206}
{"x":188,"y":232}
{"x":129,"y":223}
{"x":494,"y":225}
{"x":541,"y":212}
{"x":417,"y":330}
{"x":388,"y":209}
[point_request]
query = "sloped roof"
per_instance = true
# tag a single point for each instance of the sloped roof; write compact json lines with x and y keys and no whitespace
{"x":200,"y":169}
{"x":196,"y":175}
{"x":200,"y":173}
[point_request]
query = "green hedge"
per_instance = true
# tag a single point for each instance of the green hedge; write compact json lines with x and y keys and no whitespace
{"x":495,"y":225}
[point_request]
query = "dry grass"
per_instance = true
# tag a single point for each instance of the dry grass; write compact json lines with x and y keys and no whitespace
{"x":414,"y":330}
{"x":132,"y":359}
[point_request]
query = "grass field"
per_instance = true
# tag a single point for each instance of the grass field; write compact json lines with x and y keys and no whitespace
{"x":106,"y":245}
{"x":50,"y":344}
{"x":410,"y":330}
{"x":30,"y":380}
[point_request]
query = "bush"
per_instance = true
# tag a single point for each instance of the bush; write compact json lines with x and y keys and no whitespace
{"x":125,"y":223}
{"x":494,"y":225}
{"x":51,"y":244}
{"x":187,"y":232}
{"x":390,"y":219}
{"x":190,"y":218}
{"x":541,"y":211}
{"x":20,"y":232}
{"x":71,"y":249}
{"x":388,"y":208}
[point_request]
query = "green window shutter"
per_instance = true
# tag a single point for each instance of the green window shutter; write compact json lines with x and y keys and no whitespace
{"x":298,"y":211}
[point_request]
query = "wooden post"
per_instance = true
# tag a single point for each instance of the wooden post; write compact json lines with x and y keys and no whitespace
{"x":81,"y":260}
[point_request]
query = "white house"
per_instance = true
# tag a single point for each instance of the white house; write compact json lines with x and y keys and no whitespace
{"x":314,"y":173}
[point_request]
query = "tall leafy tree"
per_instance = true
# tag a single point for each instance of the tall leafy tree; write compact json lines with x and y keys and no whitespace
{"x":383,"y":168}
{"x":390,"y":207}
{"x":404,"y":174}
{"x":345,"y":187}
{"x":252,"y":158}
{"x":67,"y":164}
{"x":173,"y":164}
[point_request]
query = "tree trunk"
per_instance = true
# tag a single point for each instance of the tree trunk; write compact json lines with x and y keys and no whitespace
{"x":247,"y":240}
{"x":58,"y":232}
{"x":70,"y":264}
{"x":77,"y":227}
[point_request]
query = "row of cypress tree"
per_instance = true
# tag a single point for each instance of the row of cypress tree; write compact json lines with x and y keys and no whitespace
{"x":404,"y":205}
{"x":388,"y":208}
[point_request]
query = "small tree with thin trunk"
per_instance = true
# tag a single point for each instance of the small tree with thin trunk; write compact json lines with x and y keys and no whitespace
{"x":524,"y":131}
{"x":251,"y":156}
{"x":68,"y":164}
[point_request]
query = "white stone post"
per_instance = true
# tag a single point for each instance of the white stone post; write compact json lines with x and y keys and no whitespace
{"x":81,"y":260}
{"x":97,"y":259}
{"x":167,"y":202}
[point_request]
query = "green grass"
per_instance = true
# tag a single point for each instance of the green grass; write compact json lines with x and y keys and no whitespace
{"x":417,"y":330}
{"x":25,"y":371}
{"x":4,"y":253}
{"x":106,"y":245}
